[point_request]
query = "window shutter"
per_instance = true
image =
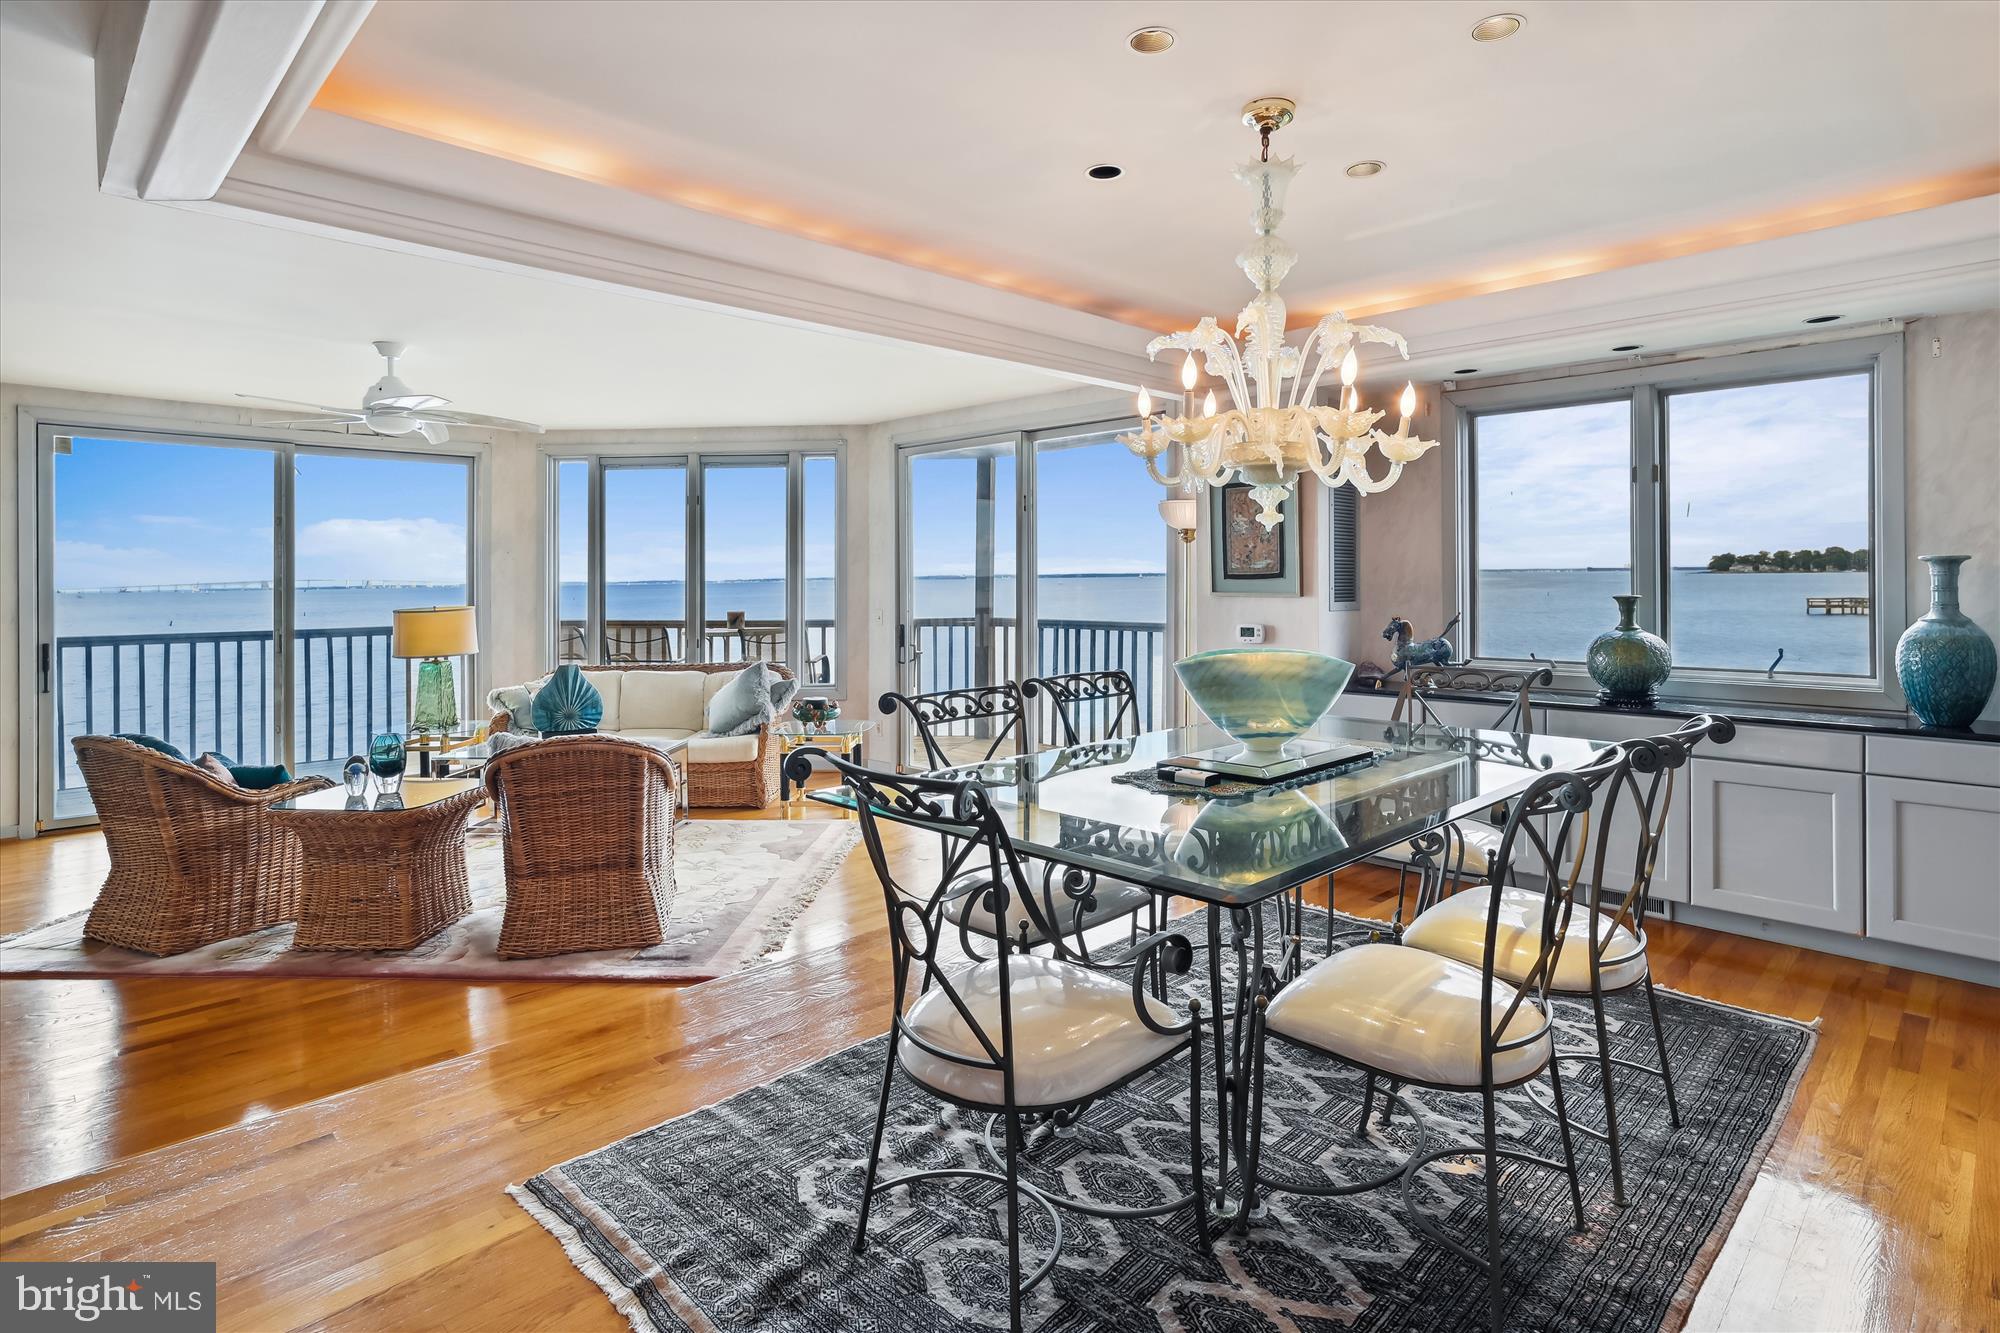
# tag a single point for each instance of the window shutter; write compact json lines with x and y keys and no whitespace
{"x":1342,"y":577}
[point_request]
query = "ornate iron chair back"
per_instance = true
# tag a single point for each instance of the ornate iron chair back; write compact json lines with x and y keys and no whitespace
{"x":994,"y":713}
{"x":971,"y":839}
{"x":1413,"y":701}
{"x":1086,"y":706}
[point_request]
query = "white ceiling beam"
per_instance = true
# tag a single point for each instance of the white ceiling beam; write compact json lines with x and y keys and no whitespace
{"x":181,"y":85}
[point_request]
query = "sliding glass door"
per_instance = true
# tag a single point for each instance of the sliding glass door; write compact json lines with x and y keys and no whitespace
{"x":960,"y":597}
{"x":158,"y":610}
{"x":1058,"y":529}
{"x":706,"y":557}
{"x":233,"y":596}
{"x":377,"y":533}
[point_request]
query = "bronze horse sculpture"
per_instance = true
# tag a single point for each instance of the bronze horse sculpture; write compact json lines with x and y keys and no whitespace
{"x":1425,"y":652}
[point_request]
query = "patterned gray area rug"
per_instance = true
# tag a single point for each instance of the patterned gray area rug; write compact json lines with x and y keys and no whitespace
{"x":741,"y":1215}
{"x":738,"y":886}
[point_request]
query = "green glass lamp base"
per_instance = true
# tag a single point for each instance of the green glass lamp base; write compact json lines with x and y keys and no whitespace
{"x":437,"y":701}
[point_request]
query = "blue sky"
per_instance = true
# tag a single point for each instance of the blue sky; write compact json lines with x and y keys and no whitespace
{"x":1761,"y":467}
{"x":136,"y":513}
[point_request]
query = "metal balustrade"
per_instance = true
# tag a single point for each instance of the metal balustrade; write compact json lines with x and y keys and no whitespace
{"x":213,"y":690}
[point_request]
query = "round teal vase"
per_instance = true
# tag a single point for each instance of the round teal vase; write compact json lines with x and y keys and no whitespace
{"x":1628,"y":664}
{"x":1945,"y":662}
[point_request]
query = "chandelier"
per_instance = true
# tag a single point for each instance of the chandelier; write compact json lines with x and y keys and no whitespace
{"x":1269,"y":436}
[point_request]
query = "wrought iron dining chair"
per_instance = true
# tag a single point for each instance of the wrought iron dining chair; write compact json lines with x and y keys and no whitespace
{"x":1603,"y":929}
{"x":1411,"y":1017}
{"x":1086,"y":706}
{"x":1074,"y":901}
{"x":1458,"y":853}
{"x":1024,"y":1038}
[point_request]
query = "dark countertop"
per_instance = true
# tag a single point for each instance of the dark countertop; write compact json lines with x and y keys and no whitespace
{"x":1872,"y":724}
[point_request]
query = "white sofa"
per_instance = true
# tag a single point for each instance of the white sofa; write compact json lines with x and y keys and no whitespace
{"x":669,"y":701}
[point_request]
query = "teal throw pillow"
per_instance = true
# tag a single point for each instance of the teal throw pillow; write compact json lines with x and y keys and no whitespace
{"x":742,"y":705}
{"x":568,"y":705}
{"x":252,"y":777}
{"x":151,"y":743}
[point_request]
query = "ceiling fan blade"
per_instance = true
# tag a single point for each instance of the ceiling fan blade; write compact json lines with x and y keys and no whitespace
{"x":347,"y":412}
{"x":489,"y":423}
{"x":434,"y":431}
{"x":411,"y":402}
{"x":315,"y":421}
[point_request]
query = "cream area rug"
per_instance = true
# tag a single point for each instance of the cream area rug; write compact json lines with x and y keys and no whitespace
{"x":739,"y":886}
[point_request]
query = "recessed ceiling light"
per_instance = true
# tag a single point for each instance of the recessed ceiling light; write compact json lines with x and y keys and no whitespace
{"x":1104,"y":171}
{"x":1497,"y":27}
{"x":1628,"y":347}
{"x":1822,"y":319}
{"x":1368,"y":168}
{"x":1469,"y":370}
{"x":1150,"y":41}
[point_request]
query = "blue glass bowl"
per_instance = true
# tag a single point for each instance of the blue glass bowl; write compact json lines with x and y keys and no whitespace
{"x":1263,"y":696}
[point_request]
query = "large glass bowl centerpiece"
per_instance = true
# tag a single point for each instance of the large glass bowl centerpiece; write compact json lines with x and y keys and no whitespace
{"x":1263,"y":696}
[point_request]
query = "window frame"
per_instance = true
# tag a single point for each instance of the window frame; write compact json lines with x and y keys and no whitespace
{"x":1879,"y":355}
{"x":694,"y":460}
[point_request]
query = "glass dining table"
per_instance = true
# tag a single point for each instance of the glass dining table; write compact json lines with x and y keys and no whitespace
{"x":1100,"y":808}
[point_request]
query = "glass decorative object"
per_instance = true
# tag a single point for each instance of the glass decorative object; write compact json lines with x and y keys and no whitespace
{"x":1944,"y":661}
{"x":1628,"y":664}
{"x":815,"y":712}
{"x":354,"y":775}
{"x":386,"y":760}
{"x":1263,"y":696}
{"x":436,"y":708}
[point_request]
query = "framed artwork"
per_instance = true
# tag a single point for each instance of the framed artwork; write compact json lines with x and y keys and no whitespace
{"x":1243,"y":556}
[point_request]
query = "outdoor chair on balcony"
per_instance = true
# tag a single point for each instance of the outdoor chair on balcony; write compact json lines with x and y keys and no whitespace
{"x":588,"y":827}
{"x":194,"y":857}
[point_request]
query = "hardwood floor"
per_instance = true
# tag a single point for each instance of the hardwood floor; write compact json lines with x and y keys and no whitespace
{"x":341,"y":1148}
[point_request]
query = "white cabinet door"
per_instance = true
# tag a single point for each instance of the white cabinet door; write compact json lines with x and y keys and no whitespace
{"x":1934,"y":865}
{"x":1774,"y":842}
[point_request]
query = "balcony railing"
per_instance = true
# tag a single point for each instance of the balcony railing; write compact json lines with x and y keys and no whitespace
{"x":731,"y":639}
{"x":213,"y":690}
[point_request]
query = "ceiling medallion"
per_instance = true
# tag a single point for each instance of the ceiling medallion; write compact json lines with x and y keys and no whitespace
{"x":1271,"y":443}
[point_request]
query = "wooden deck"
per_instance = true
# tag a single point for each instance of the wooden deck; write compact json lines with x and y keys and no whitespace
{"x":1837,"y":606}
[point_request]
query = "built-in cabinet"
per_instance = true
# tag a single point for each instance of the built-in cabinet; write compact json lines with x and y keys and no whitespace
{"x":1882,"y":838}
{"x":1775,"y":842}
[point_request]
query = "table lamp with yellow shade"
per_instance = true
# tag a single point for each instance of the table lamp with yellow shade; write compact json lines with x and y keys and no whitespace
{"x":435,"y":634}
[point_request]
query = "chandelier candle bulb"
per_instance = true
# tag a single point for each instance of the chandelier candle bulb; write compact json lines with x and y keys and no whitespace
{"x":1272,"y":432}
{"x":1145,"y":403}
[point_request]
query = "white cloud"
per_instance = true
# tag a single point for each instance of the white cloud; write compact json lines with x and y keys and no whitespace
{"x":417,"y":549}
{"x":81,"y":566}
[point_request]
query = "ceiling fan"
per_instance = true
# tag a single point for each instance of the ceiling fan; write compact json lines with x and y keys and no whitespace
{"x":389,"y":408}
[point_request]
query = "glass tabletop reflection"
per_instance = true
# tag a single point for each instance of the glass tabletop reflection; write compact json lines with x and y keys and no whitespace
{"x":1068,"y":805}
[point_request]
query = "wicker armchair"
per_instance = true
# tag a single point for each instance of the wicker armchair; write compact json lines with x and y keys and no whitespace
{"x":752,"y":783}
{"x":588,"y":824}
{"x":194,"y":859}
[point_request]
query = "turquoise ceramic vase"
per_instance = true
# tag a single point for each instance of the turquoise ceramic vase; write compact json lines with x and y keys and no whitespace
{"x":1945,"y":662}
{"x":1263,"y":696}
{"x":1628,"y":664}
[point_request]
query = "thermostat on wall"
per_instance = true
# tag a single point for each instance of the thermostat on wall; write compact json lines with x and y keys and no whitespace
{"x":1249,"y":634}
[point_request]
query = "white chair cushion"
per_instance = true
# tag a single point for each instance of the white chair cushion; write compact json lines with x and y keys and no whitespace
{"x":656,"y":733}
{"x":711,"y":681}
{"x":1410,"y":1013}
{"x":1456,"y":928}
{"x":722,"y":749}
{"x":1115,"y":900}
{"x":662,"y":699}
{"x":1482,"y":840}
{"x":1075,"y":1033}
{"x":608,"y":686}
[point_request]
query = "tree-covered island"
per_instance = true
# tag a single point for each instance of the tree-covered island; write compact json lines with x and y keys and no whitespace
{"x":1833,"y":560}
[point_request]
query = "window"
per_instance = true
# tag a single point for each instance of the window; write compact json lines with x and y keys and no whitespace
{"x":715,"y":557}
{"x":1751,"y":500}
{"x":1553,"y":527}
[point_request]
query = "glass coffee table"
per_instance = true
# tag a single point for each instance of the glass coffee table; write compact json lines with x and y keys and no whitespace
{"x":842,"y":735}
{"x":439,"y":753}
